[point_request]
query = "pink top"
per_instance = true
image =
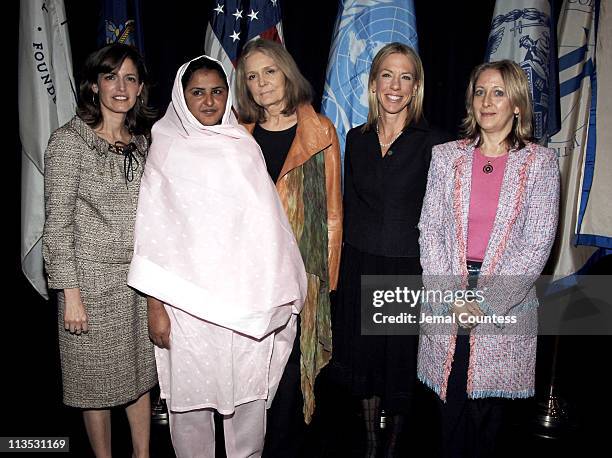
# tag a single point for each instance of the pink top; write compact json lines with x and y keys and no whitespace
{"x":484,"y":197}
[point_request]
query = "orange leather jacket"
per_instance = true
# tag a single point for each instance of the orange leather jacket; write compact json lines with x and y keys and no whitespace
{"x":316,"y":133}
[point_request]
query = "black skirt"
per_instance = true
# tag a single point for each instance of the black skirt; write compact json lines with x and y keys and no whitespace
{"x":367,"y":366}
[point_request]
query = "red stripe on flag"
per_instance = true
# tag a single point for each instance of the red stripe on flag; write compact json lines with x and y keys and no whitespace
{"x":271,"y":34}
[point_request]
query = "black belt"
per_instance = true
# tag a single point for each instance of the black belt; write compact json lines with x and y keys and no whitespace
{"x":473,"y":268}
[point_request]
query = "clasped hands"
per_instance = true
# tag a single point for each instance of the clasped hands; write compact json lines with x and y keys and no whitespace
{"x":464,"y":311}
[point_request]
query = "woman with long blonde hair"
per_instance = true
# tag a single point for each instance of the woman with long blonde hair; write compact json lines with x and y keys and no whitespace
{"x":385,"y":169}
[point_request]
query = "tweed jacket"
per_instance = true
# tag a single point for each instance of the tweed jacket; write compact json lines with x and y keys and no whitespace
{"x":502,"y":356}
{"x":90,"y":207}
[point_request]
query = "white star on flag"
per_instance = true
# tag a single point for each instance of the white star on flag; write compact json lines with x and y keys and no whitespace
{"x":237,"y":14}
{"x":253,"y":15}
{"x":219,"y":8}
{"x":235,"y":36}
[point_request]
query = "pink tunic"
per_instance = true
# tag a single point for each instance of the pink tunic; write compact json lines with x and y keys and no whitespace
{"x":484,"y":197}
{"x":212,"y":241}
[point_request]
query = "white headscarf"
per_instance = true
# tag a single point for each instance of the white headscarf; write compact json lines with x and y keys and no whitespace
{"x":211,"y":235}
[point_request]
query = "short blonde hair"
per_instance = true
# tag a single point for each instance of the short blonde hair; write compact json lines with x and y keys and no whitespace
{"x":298,"y":90}
{"x":517,"y":88}
{"x":415,"y":106}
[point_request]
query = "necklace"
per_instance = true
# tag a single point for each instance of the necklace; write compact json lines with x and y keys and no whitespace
{"x":130,"y":162}
{"x":385,"y":145}
{"x":488,"y":167}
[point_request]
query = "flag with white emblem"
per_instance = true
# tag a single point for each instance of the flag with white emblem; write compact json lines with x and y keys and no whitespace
{"x":235,"y":22}
{"x":362,"y":28}
{"x":524,"y":31}
{"x":47,"y":100}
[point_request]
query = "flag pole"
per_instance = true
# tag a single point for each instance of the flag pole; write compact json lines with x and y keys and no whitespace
{"x":551,"y":419}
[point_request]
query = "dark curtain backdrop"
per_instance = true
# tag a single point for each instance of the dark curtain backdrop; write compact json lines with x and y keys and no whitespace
{"x":452,"y":40}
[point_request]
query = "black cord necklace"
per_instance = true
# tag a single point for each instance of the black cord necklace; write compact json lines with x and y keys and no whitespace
{"x":130,"y":162}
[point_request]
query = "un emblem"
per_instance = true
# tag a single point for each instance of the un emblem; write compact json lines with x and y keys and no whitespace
{"x":363,"y":29}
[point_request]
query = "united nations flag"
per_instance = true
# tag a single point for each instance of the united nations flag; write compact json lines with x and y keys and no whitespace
{"x":362,"y":28}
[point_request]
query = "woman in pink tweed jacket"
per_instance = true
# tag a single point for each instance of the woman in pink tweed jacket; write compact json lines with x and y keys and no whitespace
{"x":491,"y":208}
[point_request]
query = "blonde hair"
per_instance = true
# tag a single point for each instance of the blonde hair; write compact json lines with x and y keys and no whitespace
{"x":297,"y":88}
{"x":517,"y":88}
{"x":415,"y":106}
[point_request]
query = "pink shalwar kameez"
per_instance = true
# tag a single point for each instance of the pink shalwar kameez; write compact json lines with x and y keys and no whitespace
{"x":213,"y":243}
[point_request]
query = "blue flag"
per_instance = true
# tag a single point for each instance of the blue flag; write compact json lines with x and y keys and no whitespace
{"x":524,"y":31}
{"x":362,"y":28}
{"x":121,"y":23}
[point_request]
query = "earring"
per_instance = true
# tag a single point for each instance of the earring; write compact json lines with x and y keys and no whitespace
{"x":516,"y":115}
{"x":93,"y":98}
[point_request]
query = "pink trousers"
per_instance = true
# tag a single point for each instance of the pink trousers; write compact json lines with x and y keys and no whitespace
{"x":193,"y":432}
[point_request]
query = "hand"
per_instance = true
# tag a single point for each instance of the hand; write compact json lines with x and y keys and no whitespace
{"x":159,"y":323}
{"x":463,"y":313}
{"x":75,"y":317}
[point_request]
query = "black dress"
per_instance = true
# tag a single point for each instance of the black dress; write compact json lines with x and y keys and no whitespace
{"x":382,"y":206}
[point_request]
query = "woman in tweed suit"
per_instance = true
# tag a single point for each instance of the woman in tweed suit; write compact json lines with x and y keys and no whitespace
{"x":488,"y":220}
{"x":93,"y":166}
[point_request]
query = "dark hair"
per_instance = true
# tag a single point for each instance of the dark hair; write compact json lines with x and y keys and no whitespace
{"x":203,"y":63}
{"x":298,"y":90}
{"x":105,"y":60}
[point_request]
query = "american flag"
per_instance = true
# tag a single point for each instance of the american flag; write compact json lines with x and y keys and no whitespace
{"x":235,"y":22}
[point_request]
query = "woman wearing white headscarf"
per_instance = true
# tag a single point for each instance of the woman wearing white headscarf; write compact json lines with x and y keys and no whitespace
{"x":217,"y":256}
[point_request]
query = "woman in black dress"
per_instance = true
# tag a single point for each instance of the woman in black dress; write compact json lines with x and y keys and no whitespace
{"x":385,"y":172}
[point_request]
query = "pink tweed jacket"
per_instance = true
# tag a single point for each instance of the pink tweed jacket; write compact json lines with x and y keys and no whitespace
{"x":502,"y":356}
